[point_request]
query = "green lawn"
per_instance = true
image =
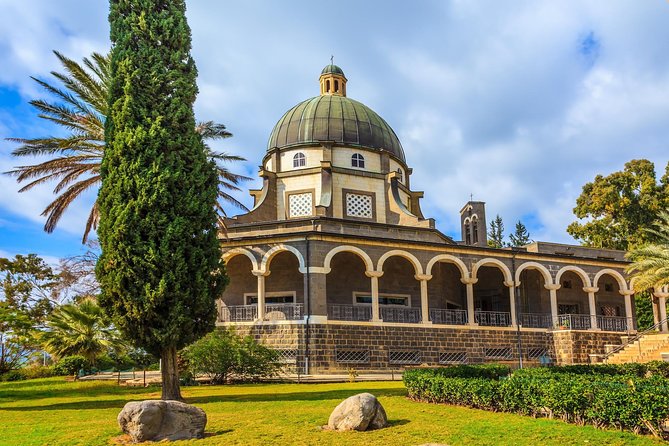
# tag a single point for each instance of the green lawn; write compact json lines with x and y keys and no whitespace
{"x":55,"y":412}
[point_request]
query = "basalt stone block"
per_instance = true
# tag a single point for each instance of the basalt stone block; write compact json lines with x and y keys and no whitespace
{"x":155,"y":420}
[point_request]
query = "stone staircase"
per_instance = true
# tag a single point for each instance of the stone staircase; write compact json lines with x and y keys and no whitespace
{"x":649,"y":347}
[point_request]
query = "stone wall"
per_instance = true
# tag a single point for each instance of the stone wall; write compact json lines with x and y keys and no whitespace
{"x":335,"y":347}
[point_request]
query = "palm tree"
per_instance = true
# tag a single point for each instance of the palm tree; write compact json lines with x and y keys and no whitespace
{"x":650,"y":267}
{"x":74,"y":160}
{"x":80,"y":329}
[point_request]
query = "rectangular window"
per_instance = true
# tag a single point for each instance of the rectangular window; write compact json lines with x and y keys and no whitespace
{"x":300,"y":205}
{"x":385,"y":299}
{"x":359,"y":205}
{"x":568,"y":309}
{"x":282,"y":297}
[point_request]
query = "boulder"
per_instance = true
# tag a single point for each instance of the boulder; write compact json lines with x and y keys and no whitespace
{"x":155,"y":420}
{"x":360,"y":412}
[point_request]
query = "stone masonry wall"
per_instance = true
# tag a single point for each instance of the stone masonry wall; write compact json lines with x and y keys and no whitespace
{"x":335,"y":347}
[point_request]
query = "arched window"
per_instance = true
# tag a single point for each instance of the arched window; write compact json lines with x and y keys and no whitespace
{"x":475,"y":230}
{"x":327,"y":86}
{"x":357,"y":160}
{"x":468,"y":237}
{"x":299,"y":160}
{"x":336,"y":86}
{"x":400,"y":175}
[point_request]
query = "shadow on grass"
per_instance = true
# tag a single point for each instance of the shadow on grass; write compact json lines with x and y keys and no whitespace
{"x":253,"y":397}
{"x":393,"y":423}
{"x":41,"y":392}
{"x":293,"y":396}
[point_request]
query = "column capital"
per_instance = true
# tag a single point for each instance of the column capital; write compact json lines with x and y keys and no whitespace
{"x":421,"y":277}
{"x":373,"y":273}
{"x":626,"y":292}
{"x":318,"y":270}
{"x":469,"y":280}
{"x":590,"y":289}
{"x":510,"y":284}
{"x":661,"y":295}
{"x":552,"y":286}
{"x":258,"y":272}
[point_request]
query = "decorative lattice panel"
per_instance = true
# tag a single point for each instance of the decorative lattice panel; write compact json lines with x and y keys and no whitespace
{"x":287,"y":355}
{"x":538,"y":352}
{"x":404,"y":357}
{"x":300,"y":205}
{"x":499,"y":353}
{"x":358,"y":205}
{"x":452,"y":357}
{"x":352,"y":356}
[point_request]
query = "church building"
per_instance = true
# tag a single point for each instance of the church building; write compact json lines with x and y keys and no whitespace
{"x":337,"y":267}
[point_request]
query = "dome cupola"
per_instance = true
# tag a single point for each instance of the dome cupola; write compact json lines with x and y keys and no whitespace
{"x":336,"y":118}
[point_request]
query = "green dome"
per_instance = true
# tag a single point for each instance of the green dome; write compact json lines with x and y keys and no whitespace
{"x":332,"y":69}
{"x":334,"y":118}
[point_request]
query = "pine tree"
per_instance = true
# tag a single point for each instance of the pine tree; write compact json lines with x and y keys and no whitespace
{"x":520,"y":237}
{"x":160,"y":270}
{"x":496,"y":233}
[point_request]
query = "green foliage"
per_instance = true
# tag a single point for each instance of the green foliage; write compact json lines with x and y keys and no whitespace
{"x":79,"y":105}
{"x":520,"y":237}
{"x":617,"y":208}
{"x":70,"y":365}
{"x":36,"y":371}
{"x":222,"y":355}
{"x":79,"y":329}
{"x":14,"y":375}
{"x":496,"y":233}
{"x":29,"y":286}
{"x":643,"y":304}
{"x":633,"y":396}
{"x":650,"y":267}
{"x":160,"y":268}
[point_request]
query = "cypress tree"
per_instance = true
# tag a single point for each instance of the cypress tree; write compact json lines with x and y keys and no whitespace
{"x":160,"y":268}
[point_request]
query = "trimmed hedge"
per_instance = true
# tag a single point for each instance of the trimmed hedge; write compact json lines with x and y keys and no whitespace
{"x":625,"y":401}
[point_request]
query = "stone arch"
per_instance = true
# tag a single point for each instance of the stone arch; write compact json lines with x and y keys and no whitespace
{"x":622,"y":284}
{"x":398,"y":252}
{"x":490,"y":261}
{"x":267,"y":258}
{"x":241,"y":251}
{"x":450,"y":259}
{"x":548,"y":279}
{"x":576,"y":270}
{"x":369,"y":264}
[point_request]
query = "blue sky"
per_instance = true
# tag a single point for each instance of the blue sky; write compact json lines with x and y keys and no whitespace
{"x":519,"y":104}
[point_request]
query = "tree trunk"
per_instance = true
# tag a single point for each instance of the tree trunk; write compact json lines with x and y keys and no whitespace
{"x":170,"y":374}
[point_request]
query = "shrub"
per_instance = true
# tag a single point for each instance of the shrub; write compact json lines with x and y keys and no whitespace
{"x":70,"y":365}
{"x":38,"y":371}
{"x":13,"y":375}
{"x":222,"y":356}
{"x":603,"y":396}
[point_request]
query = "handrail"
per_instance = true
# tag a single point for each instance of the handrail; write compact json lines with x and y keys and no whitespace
{"x":638,"y":336}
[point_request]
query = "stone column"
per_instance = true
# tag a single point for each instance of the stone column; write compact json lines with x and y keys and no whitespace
{"x":552,"y":289}
{"x":424,"y":307}
{"x":374,"y":276}
{"x":628,"y":308}
{"x":315,"y":295}
{"x":662,"y":308}
{"x":261,"y":293}
{"x":512,"y":302}
{"x":592,"y":305}
{"x":469,"y":282}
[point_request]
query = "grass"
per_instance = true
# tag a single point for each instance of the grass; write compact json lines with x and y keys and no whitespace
{"x":55,"y":412}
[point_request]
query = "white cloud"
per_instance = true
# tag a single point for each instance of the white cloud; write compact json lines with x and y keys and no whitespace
{"x":518,"y":104}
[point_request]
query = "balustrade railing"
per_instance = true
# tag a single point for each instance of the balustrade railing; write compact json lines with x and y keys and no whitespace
{"x":341,"y":312}
{"x":535,"y":320}
{"x":573,"y":322}
{"x":448,"y":317}
{"x":612,"y":323}
{"x":283,"y":312}
{"x":238,"y":313}
{"x":493,"y":318}
{"x":400,"y":314}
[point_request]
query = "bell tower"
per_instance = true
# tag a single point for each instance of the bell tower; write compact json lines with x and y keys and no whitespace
{"x":473,"y":223}
{"x":333,"y":81}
